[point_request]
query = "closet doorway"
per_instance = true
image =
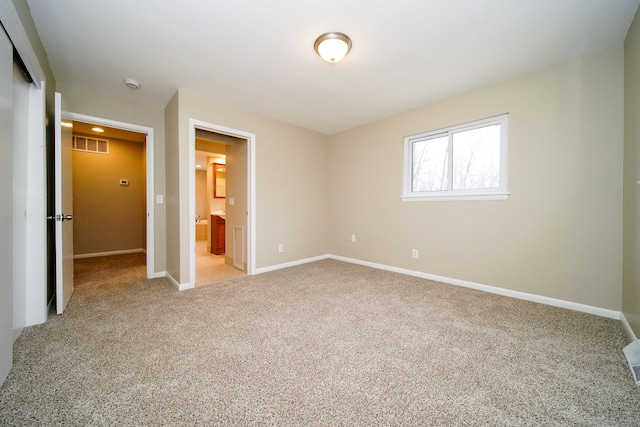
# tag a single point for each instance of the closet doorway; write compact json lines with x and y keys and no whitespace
{"x":113,"y":189}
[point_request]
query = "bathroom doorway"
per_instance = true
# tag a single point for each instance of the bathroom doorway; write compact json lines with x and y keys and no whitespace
{"x":216,"y":167}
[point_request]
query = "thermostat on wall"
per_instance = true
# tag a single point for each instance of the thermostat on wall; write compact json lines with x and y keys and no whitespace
{"x":124,"y":182}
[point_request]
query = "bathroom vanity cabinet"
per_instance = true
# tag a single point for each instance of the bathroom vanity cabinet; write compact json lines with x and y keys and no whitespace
{"x":217,"y":235}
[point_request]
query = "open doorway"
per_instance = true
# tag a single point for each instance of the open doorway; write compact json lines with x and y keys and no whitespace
{"x":114,"y":214}
{"x":239,"y":202}
{"x":214,"y":244}
{"x":109,"y":191}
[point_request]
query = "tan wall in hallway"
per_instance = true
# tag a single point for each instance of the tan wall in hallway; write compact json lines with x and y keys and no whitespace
{"x":107,"y":216}
{"x":202,"y":196}
{"x":237,"y":186}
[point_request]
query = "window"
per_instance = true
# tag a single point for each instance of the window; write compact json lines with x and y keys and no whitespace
{"x":465,"y":162}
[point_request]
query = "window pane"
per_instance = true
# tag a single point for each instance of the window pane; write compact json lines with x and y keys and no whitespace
{"x":476,"y":158}
{"x":430,"y":164}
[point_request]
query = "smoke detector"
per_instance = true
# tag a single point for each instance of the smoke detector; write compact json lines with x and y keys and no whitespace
{"x":132,"y":84}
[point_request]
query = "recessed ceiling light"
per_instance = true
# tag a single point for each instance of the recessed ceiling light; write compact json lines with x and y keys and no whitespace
{"x":97,"y":129}
{"x":198,"y":166}
{"x":66,"y":124}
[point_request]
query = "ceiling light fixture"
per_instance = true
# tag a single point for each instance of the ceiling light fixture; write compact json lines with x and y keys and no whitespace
{"x":132,"y":84}
{"x":97,"y":129}
{"x":333,"y":46}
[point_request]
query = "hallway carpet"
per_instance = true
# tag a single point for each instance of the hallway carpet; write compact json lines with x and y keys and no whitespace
{"x":322,"y":344}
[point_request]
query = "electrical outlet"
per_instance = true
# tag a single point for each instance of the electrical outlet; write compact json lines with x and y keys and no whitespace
{"x":353,"y":238}
{"x":414,"y":253}
{"x":280,"y":247}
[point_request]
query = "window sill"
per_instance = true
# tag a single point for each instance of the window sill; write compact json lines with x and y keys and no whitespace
{"x":456,"y":197}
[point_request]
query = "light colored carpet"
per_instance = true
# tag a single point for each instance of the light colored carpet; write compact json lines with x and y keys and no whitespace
{"x":327,"y":343}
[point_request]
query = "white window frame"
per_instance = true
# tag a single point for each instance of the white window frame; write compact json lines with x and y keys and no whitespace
{"x":496,"y":193}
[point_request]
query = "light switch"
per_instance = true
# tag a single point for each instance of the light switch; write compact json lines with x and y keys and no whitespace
{"x":232,"y":201}
{"x":159,"y":199}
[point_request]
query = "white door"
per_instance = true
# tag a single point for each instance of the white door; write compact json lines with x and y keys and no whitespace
{"x":6,"y":207}
{"x":64,"y":208}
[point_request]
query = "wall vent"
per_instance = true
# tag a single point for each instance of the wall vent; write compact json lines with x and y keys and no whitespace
{"x":238,"y":247}
{"x":91,"y":145}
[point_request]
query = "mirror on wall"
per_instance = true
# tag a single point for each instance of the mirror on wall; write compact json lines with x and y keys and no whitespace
{"x":219,"y":180}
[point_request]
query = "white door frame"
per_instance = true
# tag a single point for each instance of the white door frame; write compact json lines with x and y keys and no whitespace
{"x":150,"y":176}
{"x":251,"y":205}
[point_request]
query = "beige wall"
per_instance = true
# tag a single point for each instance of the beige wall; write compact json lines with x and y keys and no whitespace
{"x":291,"y":193}
{"x":107,"y":216}
{"x":172,"y":198}
{"x":560,"y":232}
{"x":107,"y":106}
{"x":631,"y":273}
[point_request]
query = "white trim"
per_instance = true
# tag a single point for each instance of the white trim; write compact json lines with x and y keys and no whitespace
{"x":158,"y":275}
{"x":450,"y":194}
{"x":569,"y":305}
{"x":13,"y":25}
{"x":150,"y":184}
{"x":603,"y":312}
{"x":292,"y":264}
{"x":628,"y":329}
{"x":109,"y":253}
{"x":179,"y":286}
{"x":456,"y":198}
{"x":251,"y":221}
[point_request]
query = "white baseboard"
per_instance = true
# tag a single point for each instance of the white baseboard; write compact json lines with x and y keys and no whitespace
{"x":603,"y":312}
{"x":290,"y":264}
{"x":157,"y":275}
{"x":627,"y":329}
{"x":110,"y":253}
{"x":179,"y":286}
{"x":598,"y":311}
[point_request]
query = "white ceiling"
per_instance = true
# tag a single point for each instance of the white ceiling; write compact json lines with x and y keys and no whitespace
{"x":258,"y":55}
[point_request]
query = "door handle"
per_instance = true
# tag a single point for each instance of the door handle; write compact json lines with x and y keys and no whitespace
{"x":61,"y":217}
